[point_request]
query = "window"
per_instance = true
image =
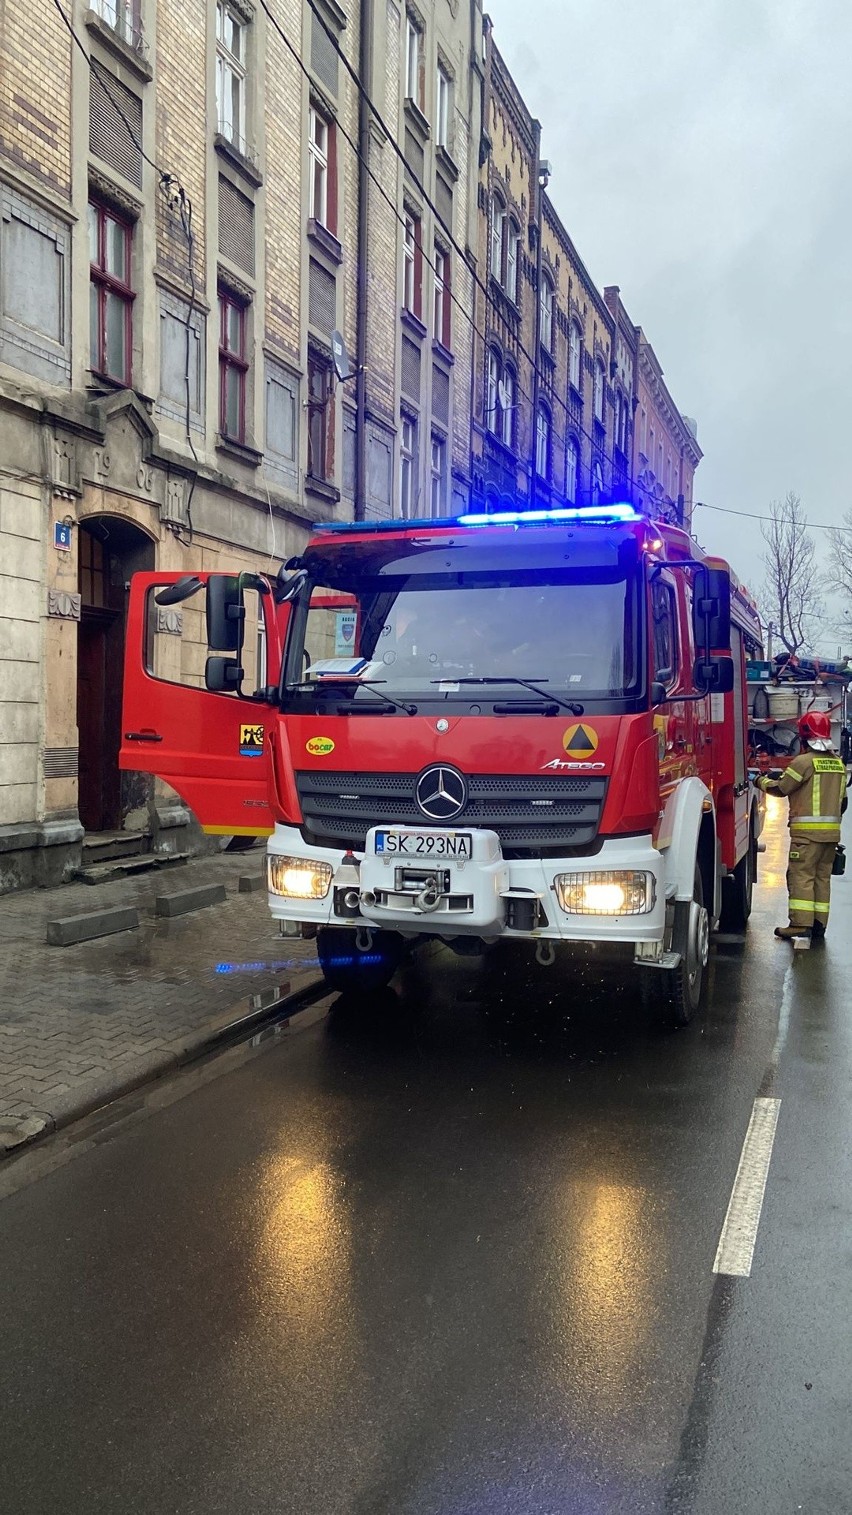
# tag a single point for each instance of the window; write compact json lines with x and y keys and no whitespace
{"x":110,"y":294}
{"x":572,"y":470}
{"x":542,"y":443}
{"x":281,"y":420}
{"x":320,"y":419}
{"x":442,"y":309}
{"x":413,"y":47}
{"x":492,"y":418}
{"x":498,"y":223}
{"x":231,"y":74}
{"x":513,"y":244}
{"x":597,"y":483}
{"x":575,"y":341}
{"x":439,"y":476}
{"x":321,"y":176}
{"x":125,"y":18}
{"x":407,"y":454}
{"x":233,"y":367}
{"x":546,"y":317}
{"x":664,"y":612}
{"x":92,"y":570}
{"x":599,"y":390}
{"x":412,"y":265}
{"x":442,"y":108}
{"x":507,"y":400}
{"x":650,"y":453}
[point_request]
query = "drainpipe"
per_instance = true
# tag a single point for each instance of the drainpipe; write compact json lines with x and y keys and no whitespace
{"x":366,"y":72}
{"x":536,"y":207}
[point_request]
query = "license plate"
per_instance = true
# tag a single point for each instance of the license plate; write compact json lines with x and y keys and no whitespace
{"x":424,"y":844}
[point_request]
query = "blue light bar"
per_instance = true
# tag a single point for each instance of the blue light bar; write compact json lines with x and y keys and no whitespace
{"x":596,"y":514}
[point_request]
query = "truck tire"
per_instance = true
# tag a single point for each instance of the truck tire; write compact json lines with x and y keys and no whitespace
{"x":349,"y":971}
{"x":691,"y":938}
{"x":738,"y":889}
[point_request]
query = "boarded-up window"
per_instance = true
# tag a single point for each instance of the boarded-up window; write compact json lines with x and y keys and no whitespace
{"x":444,"y":202}
{"x":236,"y":226}
{"x":282,"y":411}
{"x":379,"y":473}
{"x":181,"y":363}
{"x":349,"y":424}
{"x":109,"y":138}
{"x":34,"y":293}
{"x":410,"y":369}
{"x":414,"y":154}
{"x":323,"y":55}
{"x":322,"y":299}
{"x":441,"y":395}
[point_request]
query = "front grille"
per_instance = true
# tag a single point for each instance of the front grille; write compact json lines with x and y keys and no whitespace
{"x":533,"y":814}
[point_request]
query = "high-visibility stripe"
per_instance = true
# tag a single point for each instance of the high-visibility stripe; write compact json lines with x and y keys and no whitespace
{"x":820,"y":908}
{"x":805,"y":905}
{"x":792,"y":774}
{"x":813,"y":826}
{"x":798,"y":820}
{"x":815,"y":800}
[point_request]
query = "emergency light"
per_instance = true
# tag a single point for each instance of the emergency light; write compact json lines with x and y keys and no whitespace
{"x":601,"y":515}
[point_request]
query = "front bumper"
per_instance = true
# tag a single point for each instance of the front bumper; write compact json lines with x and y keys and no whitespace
{"x":476,"y":894}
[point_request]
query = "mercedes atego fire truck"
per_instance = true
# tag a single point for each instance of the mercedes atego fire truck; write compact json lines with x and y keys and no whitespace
{"x":508,"y":727}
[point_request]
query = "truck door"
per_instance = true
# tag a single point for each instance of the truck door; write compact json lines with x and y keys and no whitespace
{"x":213,"y":749}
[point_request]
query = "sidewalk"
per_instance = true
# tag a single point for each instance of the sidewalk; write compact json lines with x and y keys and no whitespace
{"x":79,"y":1024}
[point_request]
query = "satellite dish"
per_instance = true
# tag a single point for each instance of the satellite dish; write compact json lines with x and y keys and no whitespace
{"x":340,"y":357}
{"x":504,"y":394}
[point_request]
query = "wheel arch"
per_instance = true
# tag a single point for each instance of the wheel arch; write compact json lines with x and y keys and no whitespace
{"x":693,"y":840}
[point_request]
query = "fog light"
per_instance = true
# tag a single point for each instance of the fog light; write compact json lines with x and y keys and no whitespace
{"x":298,"y":878}
{"x":605,"y":893}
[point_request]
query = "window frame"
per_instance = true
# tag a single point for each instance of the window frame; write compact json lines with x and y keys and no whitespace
{"x":124,"y":17}
{"x":236,"y":65}
{"x":546,"y":303}
{"x":320,"y":408}
{"x":442,"y":298}
{"x":667,"y":674}
{"x":499,"y":216}
{"x":322,"y":161}
{"x":575,"y":355}
{"x":543,"y":426}
{"x":572,"y":450}
{"x":512,"y":238}
{"x":443,"y":97}
{"x":232,"y":360}
{"x":413,"y":60}
{"x":412,"y":264}
{"x":104,"y":283}
{"x":598,"y":391}
{"x":407,"y":457}
{"x":598,"y":482}
{"x":438,"y":476}
{"x":507,"y":412}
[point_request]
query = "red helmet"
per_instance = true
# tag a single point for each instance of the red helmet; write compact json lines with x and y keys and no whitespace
{"x":815,"y":724}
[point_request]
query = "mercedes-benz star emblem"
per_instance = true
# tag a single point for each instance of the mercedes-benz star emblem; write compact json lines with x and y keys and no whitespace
{"x":441,"y":793}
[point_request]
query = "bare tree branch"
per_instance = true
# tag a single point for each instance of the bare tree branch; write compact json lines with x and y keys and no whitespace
{"x":791,"y":592}
{"x":839,"y":575}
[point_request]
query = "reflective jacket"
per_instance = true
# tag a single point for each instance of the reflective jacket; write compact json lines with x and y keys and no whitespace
{"x":815,"y":784}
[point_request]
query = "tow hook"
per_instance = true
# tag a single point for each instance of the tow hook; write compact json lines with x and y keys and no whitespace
{"x":545,"y":954}
{"x":363,"y":939}
{"x":429,"y":897}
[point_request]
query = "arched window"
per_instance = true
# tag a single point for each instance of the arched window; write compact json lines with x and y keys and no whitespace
{"x":507,"y":407}
{"x":575,"y":342}
{"x":513,"y":247}
{"x":572,"y":470}
{"x":546,"y":301}
{"x":498,"y":229}
{"x":542,"y":442}
{"x":599,"y":390}
{"x":492,"y":401}
{"x":597,"y":483}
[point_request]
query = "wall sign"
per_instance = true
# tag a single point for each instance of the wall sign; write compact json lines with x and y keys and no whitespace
{"x":62,"y":536}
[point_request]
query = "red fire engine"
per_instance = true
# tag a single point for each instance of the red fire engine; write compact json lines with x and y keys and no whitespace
{"x":505,"y":727}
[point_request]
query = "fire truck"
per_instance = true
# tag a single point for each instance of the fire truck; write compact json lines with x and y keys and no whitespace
{"x":515,"y":727}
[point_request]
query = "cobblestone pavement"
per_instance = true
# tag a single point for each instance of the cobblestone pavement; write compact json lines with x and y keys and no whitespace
{"x":80,"y":1023}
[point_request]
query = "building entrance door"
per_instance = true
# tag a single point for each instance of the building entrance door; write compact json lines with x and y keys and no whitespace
{"x":110,"y":550}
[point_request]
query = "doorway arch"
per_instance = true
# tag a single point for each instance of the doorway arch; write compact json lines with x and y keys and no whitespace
{"x":109,"y":550}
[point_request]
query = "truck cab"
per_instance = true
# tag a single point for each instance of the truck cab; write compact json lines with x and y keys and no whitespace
{"x":516,"y":727}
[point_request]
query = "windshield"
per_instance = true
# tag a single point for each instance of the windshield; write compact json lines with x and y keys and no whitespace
{"x":419,"y":638}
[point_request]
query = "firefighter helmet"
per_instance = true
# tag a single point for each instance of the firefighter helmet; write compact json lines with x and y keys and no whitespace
{"x":815,"y":729}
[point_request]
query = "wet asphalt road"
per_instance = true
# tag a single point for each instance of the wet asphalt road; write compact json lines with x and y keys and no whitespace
{"x":453,"y":1257}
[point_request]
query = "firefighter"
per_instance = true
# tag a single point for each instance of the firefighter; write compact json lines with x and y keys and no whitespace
{"x":815,"y":784}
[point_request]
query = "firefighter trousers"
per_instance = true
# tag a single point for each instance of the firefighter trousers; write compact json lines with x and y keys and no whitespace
{"x":809,"y":880}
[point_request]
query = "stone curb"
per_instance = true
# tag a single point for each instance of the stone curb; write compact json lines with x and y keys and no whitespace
{"x":185,"y":900}
{"x":273,"y":1007}
{"x":68,"y":930}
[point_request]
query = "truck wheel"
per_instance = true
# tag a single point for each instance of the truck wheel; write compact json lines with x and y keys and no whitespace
{"x":350,"y":971}
{"x":691,"y":938}
{"x":738,"y":890}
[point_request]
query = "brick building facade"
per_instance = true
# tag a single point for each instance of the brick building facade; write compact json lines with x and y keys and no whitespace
{"x":170,"y":402}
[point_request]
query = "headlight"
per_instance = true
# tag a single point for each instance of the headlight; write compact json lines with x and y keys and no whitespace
{"x":605,"y":893}
{"x":298,"y":878}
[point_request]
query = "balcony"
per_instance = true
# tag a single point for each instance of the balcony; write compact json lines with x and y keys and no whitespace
{"x":118,"y":25}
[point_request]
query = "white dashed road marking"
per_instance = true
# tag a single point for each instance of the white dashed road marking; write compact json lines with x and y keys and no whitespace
{"x":739,"y":1233}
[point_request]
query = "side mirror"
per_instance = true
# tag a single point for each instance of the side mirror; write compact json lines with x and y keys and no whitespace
{"x":175,"y":594}
{"x":223,"y":675}
{"x":226,"y":612}
{"x":711,"y":608}
{"x":713,"y":675}
{"x":659,"y":694}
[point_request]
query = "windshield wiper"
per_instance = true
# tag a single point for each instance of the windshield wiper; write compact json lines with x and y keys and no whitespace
{"x":544,"y":694}
{"x":331,"y":679}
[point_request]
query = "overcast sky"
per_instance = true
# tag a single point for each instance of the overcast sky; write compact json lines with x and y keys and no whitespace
{"x":702,"y":160}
